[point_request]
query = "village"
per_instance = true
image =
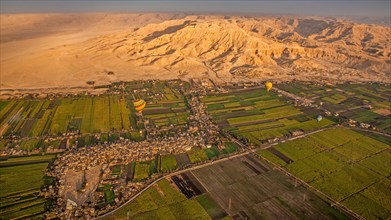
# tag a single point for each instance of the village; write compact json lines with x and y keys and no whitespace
{"x":76,"y":186}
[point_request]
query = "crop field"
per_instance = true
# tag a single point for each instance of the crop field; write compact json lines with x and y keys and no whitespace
{"x":182,"y":160}
{"x":166,"y":105}
{"x":258,"y":115}
{"x":30,"y":144}
{"x":144,"y":169}
{"x":20,"y":182}
{"x":167,"y":163}
{"x":86,"y":114}
{"x":108,"y":192}
{"x":97,"y":118}
{"x":247,"y":187}
{"x":212,"y":152}
{"x":15,"y":161}
{"x":197,"y":155}
{"x":366,"y":103}
{"x":115,"y":170}
{"x":164,"y":201}
{"x":351,"y":167}
{"x":230,"y":147}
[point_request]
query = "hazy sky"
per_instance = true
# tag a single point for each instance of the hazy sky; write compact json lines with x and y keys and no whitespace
{"x":308,"y":7}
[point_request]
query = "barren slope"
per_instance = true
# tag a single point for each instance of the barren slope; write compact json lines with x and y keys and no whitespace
{"x":221,"y":48}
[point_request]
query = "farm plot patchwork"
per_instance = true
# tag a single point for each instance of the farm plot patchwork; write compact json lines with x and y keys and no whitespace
{"x":87,"y":114}
{"x":196,"y":155}
{"x":90,"y":114}
{"x":20,"y":182}
{"x":167,"y":163}
{"x":246,"y":187}
{"x":366,"y":103}
{"x":258,"y":116}
{"x":168,"y":109}
{"x":106,"y":118}
{"x":164,"y":201}
{"x":348,"y":166}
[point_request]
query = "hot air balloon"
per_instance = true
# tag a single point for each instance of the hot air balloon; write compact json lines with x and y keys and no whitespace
{"x":319,"y":117}
{"x":139,"y":105}
{"x":268,"y":86}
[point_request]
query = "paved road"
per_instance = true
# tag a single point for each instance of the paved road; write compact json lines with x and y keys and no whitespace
{"x":371,"y":131}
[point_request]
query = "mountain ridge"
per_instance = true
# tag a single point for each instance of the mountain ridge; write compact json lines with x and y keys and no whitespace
{"x":227,"y":49}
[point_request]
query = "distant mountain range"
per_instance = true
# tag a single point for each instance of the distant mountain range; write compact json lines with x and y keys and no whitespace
{"x":166,"y":46}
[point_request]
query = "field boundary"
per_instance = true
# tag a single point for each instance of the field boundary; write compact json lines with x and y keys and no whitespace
{"x":334,"y":203}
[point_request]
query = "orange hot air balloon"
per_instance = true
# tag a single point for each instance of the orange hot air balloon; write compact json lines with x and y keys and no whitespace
{"x":268,"y":86}
{"x":139,"y":105}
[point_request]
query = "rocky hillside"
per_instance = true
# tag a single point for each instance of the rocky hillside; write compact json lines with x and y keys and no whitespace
{"x":231,"y":49}
{"x":224,"y":48}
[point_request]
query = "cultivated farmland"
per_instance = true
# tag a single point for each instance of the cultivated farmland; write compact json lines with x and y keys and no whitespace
{"x":246,"y":187}
{"x":353,"y":169}
{"x":166,"y":105}
{"x":86,"y":114}
{"x":258,"y":116}
{"x":143,"y":170}
{"x":98,"y":119}
{"x":365,"y":103}
{"x":21,"y":180}
{"x":164,"y":201}
{"x":167,"y":163}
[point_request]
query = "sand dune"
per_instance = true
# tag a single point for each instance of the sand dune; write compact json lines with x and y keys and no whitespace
{"x":68,"y":52}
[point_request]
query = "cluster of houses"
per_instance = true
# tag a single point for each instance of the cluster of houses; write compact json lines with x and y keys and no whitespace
{"x":83,"y":159}
{"x":199,"y":132}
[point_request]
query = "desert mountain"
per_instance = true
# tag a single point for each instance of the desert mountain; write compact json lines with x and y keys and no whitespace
{"x":221,"y":48}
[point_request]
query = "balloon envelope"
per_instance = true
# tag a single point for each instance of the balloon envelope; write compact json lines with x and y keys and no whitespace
{"x":268,"y":86}
{"x":139,"y":105}
{"x":319,"y":117}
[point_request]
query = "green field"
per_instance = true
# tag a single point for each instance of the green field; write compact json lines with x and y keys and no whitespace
{"x":169,"y":108}
{"x":366,"y":103}
{"x":110,"y":115}
{"x":142,"y":171}
{"x":21,"y":180}
{"x":85,"y":114}
{"x":197,"y":155}
{"x":211,"y":207}
{"x":13,"y":161}
{"x":350,"y":167}
{"x":230,"y":147}
{"x":167,"y":163}
{"x":109,"y":193}
{"x":115,"y":170}
{"x":258,"y":116}
{"x":163,"y":201}
{"x":212,"y":152}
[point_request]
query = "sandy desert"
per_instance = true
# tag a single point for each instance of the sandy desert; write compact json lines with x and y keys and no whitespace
{"x":67,"y":50}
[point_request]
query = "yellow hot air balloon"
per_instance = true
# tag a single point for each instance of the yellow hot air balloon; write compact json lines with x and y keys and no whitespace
{"x":139,"y":105}
{"x":268,"y":86}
